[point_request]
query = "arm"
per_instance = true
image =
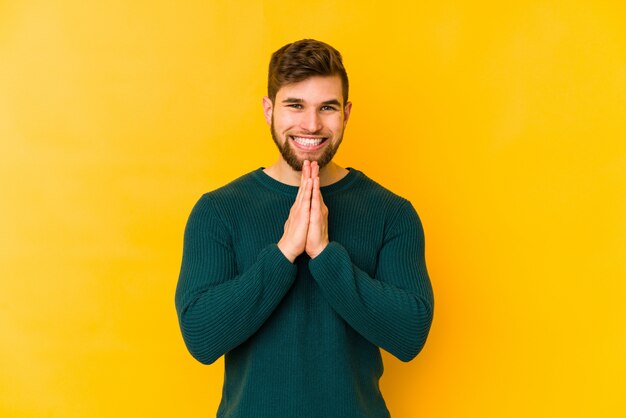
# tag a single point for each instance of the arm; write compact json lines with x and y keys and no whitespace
{"x":393,"y":309}
{"x":217,"y":308}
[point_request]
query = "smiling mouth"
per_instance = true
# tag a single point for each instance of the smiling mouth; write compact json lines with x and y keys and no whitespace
{"x":308,"y":143}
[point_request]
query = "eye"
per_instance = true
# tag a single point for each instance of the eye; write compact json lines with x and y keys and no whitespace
{"x":328,"y":108}
{"x":295,"y":105}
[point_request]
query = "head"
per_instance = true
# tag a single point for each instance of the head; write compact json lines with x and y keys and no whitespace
{"x":303,"y":59}
{"x":307,"y":104}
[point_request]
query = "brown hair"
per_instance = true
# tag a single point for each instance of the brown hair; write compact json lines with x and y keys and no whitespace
{"x":303,"y":59}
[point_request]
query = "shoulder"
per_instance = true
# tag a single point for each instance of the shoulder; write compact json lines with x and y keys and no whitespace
{"x":223,"y":198}
{"x":244,"y":184}
{"x":377,"y":194}
{"x":399,"y":213}
{"x":369,"y":201}
{"x":241,"y":189}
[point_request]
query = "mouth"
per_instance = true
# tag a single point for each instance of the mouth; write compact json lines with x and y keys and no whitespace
{"x":308,"y":143}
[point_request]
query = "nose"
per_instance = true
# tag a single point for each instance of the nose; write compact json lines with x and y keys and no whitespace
{"x":311,"y":121}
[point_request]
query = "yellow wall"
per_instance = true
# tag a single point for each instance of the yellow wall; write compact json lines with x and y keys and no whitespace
{"x":505,"y":125}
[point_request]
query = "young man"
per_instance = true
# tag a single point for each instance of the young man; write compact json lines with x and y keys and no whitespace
{"x":299,"y":272}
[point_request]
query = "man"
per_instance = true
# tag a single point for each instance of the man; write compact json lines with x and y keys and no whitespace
{"x":299,"y":272}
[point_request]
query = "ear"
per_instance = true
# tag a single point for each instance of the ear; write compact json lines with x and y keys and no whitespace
{"x":346,"y":113}
{"x":268,"y":107}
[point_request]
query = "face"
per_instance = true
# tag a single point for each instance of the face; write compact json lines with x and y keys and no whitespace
{"x":307,"y":120}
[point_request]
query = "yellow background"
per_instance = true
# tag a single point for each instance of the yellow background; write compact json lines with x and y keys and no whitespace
{"x":504,"y":124}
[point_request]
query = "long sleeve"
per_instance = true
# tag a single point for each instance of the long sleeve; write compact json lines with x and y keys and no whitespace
{"x":218,"y":309}
{"x":393,"y":309}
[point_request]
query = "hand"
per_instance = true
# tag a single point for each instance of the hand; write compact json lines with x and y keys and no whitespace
{"x":317,"y":235}
{"x":294,"y":238}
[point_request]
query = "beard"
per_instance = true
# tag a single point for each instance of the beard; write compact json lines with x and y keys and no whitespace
{"x":289,"y":154}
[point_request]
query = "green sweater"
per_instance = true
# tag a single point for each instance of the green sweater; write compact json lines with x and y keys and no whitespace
{"x":302,"y":339}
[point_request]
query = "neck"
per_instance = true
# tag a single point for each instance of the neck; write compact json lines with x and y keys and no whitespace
{"x":281,"y":171}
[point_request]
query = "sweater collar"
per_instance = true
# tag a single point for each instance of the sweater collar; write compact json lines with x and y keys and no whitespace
{"x":290,"y":190}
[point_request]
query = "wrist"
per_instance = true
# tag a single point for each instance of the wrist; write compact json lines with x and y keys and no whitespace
{"x":318,"y":250}
{"x":289,"y":255}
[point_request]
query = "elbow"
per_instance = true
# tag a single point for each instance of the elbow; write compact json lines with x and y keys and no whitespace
{"x":200,"y":344}
{"x":416,"y":340}
{"x":205,"y":358}
{"x":201,"y":339}
{"x":201,"y":350}
{"x":409,"y":352}
{"x":404,"y":354}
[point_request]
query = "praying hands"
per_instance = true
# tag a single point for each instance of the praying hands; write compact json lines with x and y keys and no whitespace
{"x":306,"y":229}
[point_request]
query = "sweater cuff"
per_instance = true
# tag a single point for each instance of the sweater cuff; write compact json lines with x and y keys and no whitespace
{"x":330,"y":263}
{"x":281,"y":263}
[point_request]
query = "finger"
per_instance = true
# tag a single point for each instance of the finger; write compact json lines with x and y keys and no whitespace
{"x":303,"y":176}
{"x":306,"y":170}
{"x":316,"y":197}
{"x":305,"y":200}
{"x":313,"y":174}
{"x":319,"y":195}
{"x":300,"y":192}
{"x":315,"y":169}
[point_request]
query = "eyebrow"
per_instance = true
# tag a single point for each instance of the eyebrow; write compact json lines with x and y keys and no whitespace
{"x":332,"y":102}
{"x":324,"y":103}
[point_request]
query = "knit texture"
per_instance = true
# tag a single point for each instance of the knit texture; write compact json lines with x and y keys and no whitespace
{"x":302,"y":339}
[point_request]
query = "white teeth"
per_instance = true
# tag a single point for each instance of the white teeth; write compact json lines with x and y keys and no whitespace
{"x":309,"y":142}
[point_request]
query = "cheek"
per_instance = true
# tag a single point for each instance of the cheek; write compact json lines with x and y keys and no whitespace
{"x":284,"y":122}
{"x":336,"y":124}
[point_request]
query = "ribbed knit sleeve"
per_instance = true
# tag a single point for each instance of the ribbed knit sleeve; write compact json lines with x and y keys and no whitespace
{"x":219,"y":308}
{"x":393,"y":309}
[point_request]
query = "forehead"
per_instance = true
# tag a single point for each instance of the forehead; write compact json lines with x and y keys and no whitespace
{"x":313,"y":89}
